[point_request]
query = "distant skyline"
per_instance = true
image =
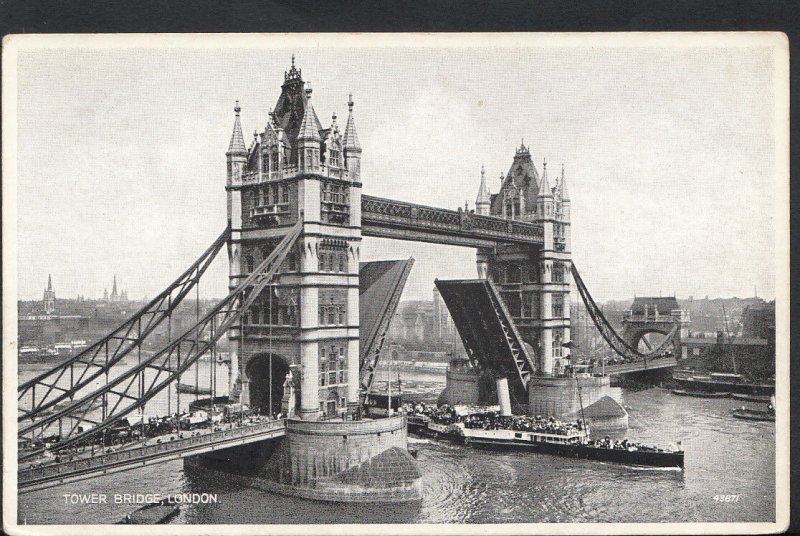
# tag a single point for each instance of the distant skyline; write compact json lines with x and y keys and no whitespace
{"x":669,"y":150}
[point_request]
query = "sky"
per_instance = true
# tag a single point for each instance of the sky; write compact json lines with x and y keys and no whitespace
{"x":669,"y":150}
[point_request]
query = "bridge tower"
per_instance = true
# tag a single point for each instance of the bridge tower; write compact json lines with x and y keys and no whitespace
{"x":655,"y":316}
{"x":297,"y":170}
{"x":534,"y":281}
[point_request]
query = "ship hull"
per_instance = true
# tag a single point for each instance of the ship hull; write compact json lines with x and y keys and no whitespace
{"x":506,"y":440}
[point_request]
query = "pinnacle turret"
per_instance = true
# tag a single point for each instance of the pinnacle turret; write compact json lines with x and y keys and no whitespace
{"x":544,"y":187}
{"x":237,"y":147}
{"x":308,"y":128}
{"x":483,"y":200}
{"x":350,"y":136}
{"x":562,"y":186}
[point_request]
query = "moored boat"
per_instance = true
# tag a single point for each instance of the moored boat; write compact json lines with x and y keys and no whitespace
{"x":700,"y":394}
{"x":193,"y":389}
{"x":153,"y":513}
{"x":754,"y":414}
{"x":751,"y":398}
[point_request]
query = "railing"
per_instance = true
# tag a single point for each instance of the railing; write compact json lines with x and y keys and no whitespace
{"x":146,"y":451}
{"x":379,"y":211}
{"x":288,"y":172}
{"x":276,"y":209}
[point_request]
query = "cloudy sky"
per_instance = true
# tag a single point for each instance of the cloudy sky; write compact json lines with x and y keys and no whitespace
{"x":669,"y":148}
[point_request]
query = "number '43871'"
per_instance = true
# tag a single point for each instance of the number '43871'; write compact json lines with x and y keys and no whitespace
{"x":727,"y":498}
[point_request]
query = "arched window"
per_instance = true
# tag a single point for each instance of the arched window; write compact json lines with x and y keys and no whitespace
{"x":558,"y":272}
{"x":513,"y":274}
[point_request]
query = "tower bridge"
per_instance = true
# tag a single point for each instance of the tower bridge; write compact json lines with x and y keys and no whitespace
{"x":305,"y":318}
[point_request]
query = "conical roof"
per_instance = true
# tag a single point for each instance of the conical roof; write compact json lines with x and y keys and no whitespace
{"x":308,"y":127}
{"x":562,"y":186}
{"x":237,"y":145}
{"x":350,"y":141}
{"x":483,"y":192}
{"x":544,"y":187}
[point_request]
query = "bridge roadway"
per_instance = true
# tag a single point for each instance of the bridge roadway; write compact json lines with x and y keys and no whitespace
{"x":638,"y":366}
{"x":31,"y":479}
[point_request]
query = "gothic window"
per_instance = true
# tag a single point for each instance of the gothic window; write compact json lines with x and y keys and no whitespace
{"x":558,"y":272}
{"x":558,"y":337}
{"x":530,"y":305}
{"x":343,"y":262}
{"x":509,"y":210}
{"x":513,"y":274}
{"x":274,"y":159}
{"x":334,"y":158}
{"x":516,"y":207}
{"x":285,"y":194}
{"x":332,"y":307}
{"x":558,"y":306}
{"x":532,"y":273}
{"x":249,"y":263}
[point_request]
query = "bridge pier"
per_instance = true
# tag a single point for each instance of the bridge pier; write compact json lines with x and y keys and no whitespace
{"x":337,"y":461}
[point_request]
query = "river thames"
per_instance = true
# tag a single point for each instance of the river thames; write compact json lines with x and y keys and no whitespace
{"x":724,"y":456}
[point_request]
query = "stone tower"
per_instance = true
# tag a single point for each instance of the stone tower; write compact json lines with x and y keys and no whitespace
{"x":49,"y":299}
{"x":535,"y":281}
{"x":307,"y":323}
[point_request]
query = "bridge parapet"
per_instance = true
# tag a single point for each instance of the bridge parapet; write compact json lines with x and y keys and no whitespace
{"x":34,"y":475}
{"x":380,"y":216}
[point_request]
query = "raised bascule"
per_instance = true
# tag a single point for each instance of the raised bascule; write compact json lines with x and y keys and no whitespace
{"x":305,"y":321}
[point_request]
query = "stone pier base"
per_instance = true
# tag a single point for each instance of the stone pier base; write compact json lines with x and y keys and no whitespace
{"x":350,"y":461}
{"x":559,"y":397}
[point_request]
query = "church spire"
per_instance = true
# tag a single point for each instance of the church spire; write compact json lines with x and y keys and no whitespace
{"x":350,"y":136}
{"x":49,"y":282}
{"x":114,"y":287}
{"x":237,"y":138}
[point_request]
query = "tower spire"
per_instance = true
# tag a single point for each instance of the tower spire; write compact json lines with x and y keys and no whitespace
{"x":237,"y":146}
{"x":482,"y":201}
{"x":308,"y":128}
{"x":562,"y":185}
{"x":49,"y":282}
{"x":350,"y":136}
{"x":544,"y":188}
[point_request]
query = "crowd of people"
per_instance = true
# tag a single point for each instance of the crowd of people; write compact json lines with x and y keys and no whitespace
{"x":162,"y":429}
{"x":492,"y":420}
{"x":624,"y":444}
